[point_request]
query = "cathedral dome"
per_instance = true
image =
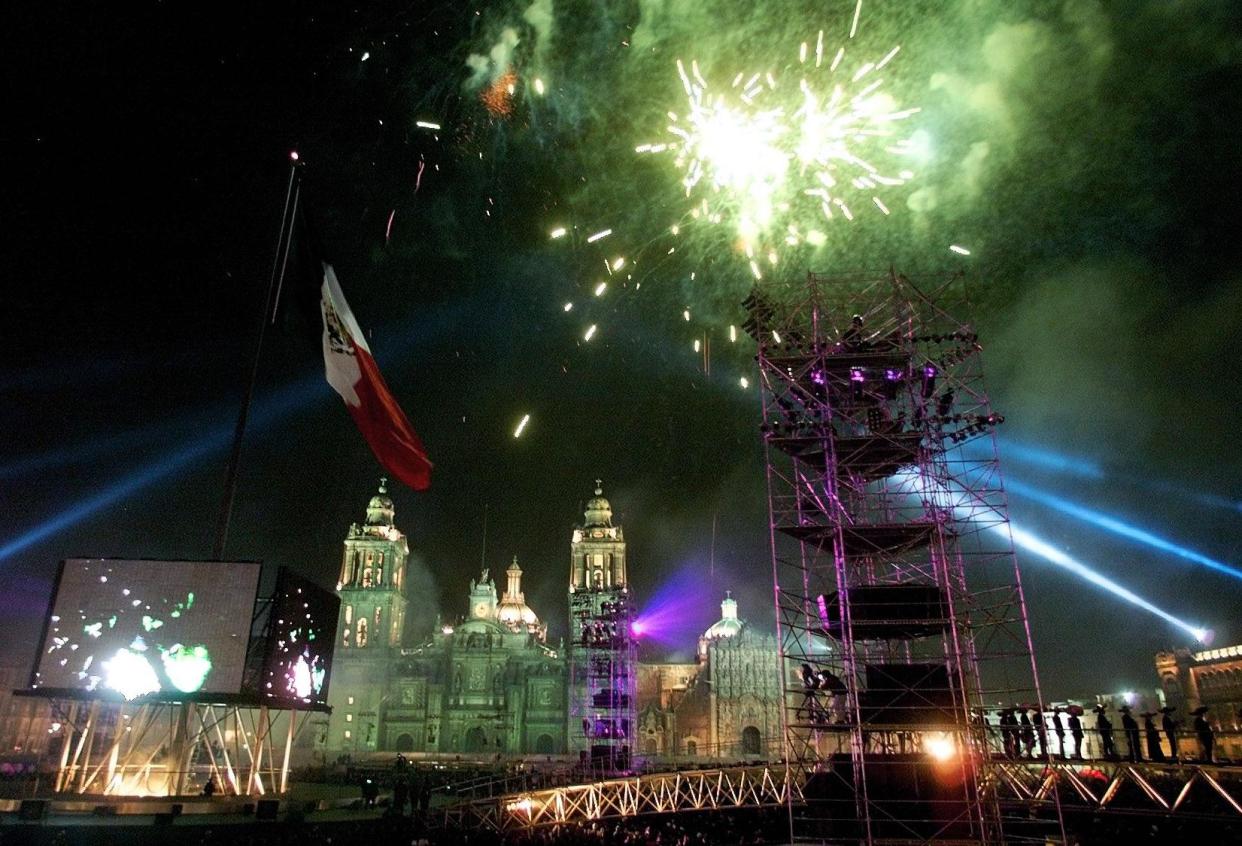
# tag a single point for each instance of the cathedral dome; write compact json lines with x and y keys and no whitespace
{"x":598,"y":509}
{"x":379,"y":509}
{"x":513,"y":612}
{"x":728,"y":625}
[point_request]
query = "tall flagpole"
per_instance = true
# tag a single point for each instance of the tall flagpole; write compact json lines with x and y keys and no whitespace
{"x":275,"y":280}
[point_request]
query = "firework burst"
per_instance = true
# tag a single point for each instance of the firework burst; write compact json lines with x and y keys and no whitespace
{"x":778,"y":160}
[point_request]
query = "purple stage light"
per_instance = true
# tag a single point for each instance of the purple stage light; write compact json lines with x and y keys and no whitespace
{"x":856,"y":374}
{"x":637,"y":628}
{"x":891,"y":374}
{"x":817,"y":376}
{"x":930,"y":371}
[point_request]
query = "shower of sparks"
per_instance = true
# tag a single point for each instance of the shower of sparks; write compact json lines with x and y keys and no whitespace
{"x":426,"y":124}
{"x":603,"y":233}
{"x":961,"y":251}
{"x":590,"y":333}
{"x":772,"y":159}
{"x":558,"y":232}
{"x":517,"y":433}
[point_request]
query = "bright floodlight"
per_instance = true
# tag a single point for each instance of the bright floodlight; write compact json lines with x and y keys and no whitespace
{"x":637,"y":628}
{"x":939,"y":746}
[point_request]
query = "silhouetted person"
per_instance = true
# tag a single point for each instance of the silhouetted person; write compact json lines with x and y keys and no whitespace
{"x":1009,"y":733}
{"x":1104,"y":726}
{"x":1203,"y":731}
{"x":400,"y":793}
{"x":1064,"y":730}
{"x":1131,"y":727}
{"x":209,"y":789}
{"x":1028,"y":734}
{"x":1154,"y":752}
{"x":853,"y":335}
{"x":1041,"y":731}
{"x":1170,"y":729}
{"x":1075,"y":727}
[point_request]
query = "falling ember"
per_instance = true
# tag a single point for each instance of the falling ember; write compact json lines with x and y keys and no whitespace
{"x":776,"y":336}
{"x":569,"y":306}
{"x":539,"y":86}
{"x":517,"y":433}
{"x":686,"y":314}
{"x":590,"y":333}
{"x":961,"y":251}
{"x":603,"y":233}
{"x":618,"y":263}
{"x":744,"y":382}
{"x":388,"y":229}
{"x":426,"y":124}
{"x":732,"y":334}
{"x":558,"y":232}
{"x":698,"y":345}
{"x":600,"y":288}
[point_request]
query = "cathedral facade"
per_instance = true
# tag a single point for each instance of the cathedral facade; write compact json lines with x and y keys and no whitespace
{"x":489,"y":685}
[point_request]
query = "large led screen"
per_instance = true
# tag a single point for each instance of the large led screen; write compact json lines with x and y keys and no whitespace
{"x":301,"y":636}
{"x":164,"y":629}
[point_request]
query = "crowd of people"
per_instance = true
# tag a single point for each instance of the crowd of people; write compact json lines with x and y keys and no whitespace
{"x":1028,"y":731}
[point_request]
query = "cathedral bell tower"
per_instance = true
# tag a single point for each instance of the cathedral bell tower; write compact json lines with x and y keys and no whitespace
{"x":371,"y":624}
{"x":602,"y":657}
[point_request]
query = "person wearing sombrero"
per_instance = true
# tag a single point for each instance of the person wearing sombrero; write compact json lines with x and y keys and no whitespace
{"x":1075,"y":727}
{"x":1153,"y":736}
{"x":1203,"y":731}
{"x":1169,"y":725}
{"x":1131,"y":728}
{"x":1105,"y":727}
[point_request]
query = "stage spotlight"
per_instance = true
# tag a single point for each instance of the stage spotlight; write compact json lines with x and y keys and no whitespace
{"x":939,"y":746}
{"x":929,"y":380}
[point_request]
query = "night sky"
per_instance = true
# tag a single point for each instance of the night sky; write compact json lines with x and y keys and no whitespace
{"x":1087,"y":153}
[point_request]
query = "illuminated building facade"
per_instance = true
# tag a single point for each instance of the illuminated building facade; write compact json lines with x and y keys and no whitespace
{"x":490,"y":685}
{"x":725,"y":705}
{"x":1211,"y":677}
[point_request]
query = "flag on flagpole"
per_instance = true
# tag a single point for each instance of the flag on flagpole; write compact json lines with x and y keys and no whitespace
{"x":349,"y":365}
{"x":352,"y":373}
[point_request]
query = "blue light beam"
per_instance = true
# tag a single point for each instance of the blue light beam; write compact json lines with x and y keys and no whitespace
{"x":1118,"y":527}
{"x":1052,"y":555}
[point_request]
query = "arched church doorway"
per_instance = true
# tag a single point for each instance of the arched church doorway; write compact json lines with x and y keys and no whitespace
{"x":405,"y":743}
{"x":752,"y":741}
{"x":475,"y":740}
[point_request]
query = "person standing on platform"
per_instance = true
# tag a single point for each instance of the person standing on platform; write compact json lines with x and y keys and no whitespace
{"x":1108,"y":747}
{"x":1154,"y":752}
{"x":1041,"y":731}
{"x":1075,"y":727}
{"x":1009,"y":733}
{"x":1170,"y":730}
{"x":1203,"y":731}
{"x":1131,"y":728}
{"x":1028,"y":733}
{"x":1064,"y":731}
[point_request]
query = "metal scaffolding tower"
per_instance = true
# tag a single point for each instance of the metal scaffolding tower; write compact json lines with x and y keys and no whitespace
{"x":602,"y":677}
{"x":899,"y":606}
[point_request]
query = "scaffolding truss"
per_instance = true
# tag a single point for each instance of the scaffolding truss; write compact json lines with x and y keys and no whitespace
{"x":174,"y":748}
{"x":899,"y":606}
{"x":1095,"y":789}
{"x":602,"y":678}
